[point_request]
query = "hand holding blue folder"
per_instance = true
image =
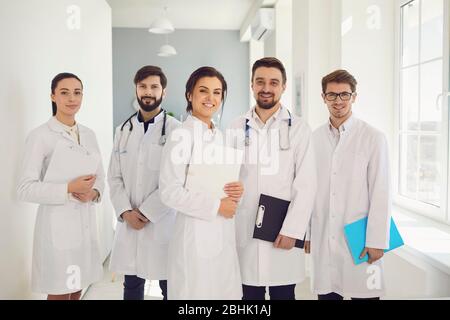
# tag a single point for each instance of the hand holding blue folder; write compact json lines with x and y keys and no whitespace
{"x":355,"y":233}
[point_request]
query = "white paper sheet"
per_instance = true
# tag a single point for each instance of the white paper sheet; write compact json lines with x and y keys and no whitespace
{"x":70,"y":162}
{"x":210,"y":176}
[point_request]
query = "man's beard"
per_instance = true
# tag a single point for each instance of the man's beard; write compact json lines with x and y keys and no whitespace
{"x":267,"y":105}
{"x":149,"y":107}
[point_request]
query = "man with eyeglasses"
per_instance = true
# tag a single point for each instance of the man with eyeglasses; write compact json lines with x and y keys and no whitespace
{"x":353,"y":183}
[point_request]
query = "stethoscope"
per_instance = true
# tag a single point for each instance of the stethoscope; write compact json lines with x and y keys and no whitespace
{"x":282,"y":147}
{"x":162,"y":139}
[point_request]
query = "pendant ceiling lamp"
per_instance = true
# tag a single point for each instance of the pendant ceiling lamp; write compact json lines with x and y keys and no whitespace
{"x":167,"y":50}
{"x":162,"y":25}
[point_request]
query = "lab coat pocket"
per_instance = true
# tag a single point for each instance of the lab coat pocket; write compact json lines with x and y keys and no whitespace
{"x":65,"y":226}
{"x":154,"y":157}
{"x":209,"y":237}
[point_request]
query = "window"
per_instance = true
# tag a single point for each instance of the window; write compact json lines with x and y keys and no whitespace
{"x":423,"y":118}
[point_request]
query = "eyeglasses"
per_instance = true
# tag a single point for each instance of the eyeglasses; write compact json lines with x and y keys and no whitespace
{"x":345,"y":96}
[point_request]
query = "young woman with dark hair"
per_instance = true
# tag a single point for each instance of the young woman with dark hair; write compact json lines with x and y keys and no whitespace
{"x":66,"y":255}
{"x":203,"y":261}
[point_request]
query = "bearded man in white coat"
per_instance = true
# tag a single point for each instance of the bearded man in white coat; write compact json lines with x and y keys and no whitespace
{"x":353,"y":183}
{"x":145,"y":224}
{"x":279,"y":162}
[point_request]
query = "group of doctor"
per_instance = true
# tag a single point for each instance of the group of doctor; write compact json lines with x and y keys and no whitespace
{"x":197,"y":245}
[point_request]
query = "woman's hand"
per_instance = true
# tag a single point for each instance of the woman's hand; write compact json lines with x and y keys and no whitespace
{"x":82,"y":184}
{"x":234,"y":190}
{"x":86,"y":197}
{"x":227,"y":208}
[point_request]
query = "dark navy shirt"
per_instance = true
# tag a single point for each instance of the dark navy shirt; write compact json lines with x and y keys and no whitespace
{"x":146,"y":123}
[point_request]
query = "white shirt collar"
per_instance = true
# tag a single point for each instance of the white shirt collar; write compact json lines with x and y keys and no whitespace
{"x":342,"y":128}
{"x":282,"y":114}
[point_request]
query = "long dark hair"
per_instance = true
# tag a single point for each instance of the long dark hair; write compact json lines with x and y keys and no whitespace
{"x":56,"y":80}
{"x":203,"y":72}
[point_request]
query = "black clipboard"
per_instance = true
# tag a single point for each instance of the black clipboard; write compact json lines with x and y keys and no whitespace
{"x":270,"y":217}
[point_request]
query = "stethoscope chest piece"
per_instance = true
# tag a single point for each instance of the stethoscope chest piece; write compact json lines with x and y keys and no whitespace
{"x":162,"y":140}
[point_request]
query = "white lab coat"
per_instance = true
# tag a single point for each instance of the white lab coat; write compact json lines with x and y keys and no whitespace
{"x":353,"y":183}
{"x":65,"y":235}
{"x":292,"y":177}
{"x":133,"y":178}
{"x":203,"y":262}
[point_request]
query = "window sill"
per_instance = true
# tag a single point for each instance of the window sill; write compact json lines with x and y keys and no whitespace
{"x":424,"y":238}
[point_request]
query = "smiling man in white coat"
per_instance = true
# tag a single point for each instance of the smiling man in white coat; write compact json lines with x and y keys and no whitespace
{"x":145,"y":224}
{"x":353,"y":183}
{"x":279,"y":162}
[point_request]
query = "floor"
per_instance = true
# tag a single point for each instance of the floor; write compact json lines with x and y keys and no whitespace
{"x":111,"y":288}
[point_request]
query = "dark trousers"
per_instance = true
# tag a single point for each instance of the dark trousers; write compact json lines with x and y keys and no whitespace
{"x":335,"y":296}
{"x":276,"y":292}
{"x":133,"y":288}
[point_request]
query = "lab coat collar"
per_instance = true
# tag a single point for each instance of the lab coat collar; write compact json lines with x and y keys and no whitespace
{"x":58,"y":127}
{"x":283,"y":114}
{"x":159,"y":117}
{"x":55,"y":125}
{"x":252,"y":117}
{"x":190,"y":120}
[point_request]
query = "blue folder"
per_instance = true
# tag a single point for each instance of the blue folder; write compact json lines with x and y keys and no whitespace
{"x":355,"y":233}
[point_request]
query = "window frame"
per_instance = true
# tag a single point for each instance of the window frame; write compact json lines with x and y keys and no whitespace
{"x":441,"y":213}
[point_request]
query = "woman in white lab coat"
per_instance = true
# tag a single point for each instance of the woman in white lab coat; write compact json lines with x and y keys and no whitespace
{"x":203,"y":262}
{"x":66,"y":256}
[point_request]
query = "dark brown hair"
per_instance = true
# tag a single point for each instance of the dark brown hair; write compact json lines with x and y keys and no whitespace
{"x":339,"y":76}
{"x":56,"y":80}
{"x":269,"y":62}
{"x":148,"y":71}
{"x":203,"y":72}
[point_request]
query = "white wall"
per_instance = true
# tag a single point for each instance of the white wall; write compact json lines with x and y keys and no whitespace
{"x":368,"y":52}
{"x":255,"y":52}
{"x":270,"y":45}
{"x":322,"y":44}
{"x":316,"y":52}
{"x":36,"y":45}
{"x":409,"y":276}
{"x":279,"y":45}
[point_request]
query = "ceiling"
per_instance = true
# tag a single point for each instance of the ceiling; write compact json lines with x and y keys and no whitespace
{"x":184,"y":14}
